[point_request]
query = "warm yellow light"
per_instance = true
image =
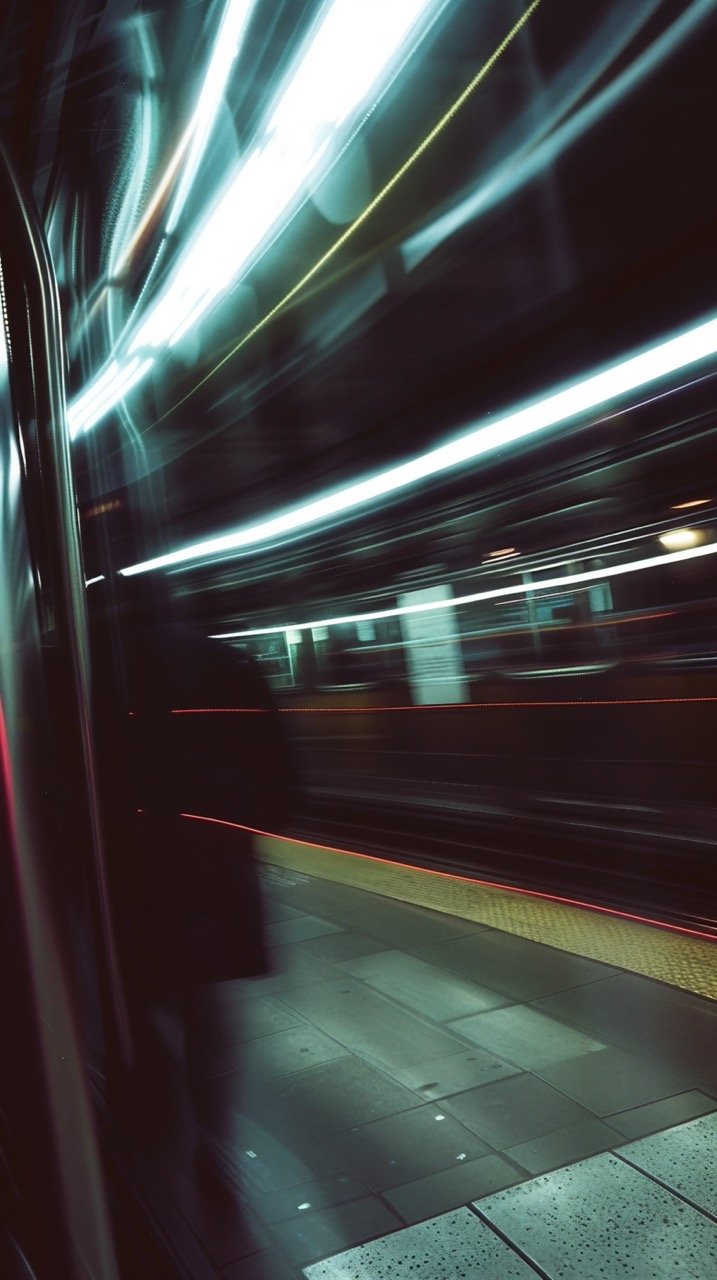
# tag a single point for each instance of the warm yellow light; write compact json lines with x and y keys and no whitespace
{"x":681,"y":539}
{"x":694,"y":502}
{"x":503,"y":551}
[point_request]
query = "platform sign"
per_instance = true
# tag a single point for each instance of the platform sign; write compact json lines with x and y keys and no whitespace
{"x":433,"y":650}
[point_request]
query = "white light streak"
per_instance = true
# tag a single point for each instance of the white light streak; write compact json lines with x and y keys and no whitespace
{"x":559,"y":126}
{"x":343,"y":68}
{"x":340,"y":67}
{"x":590,"y":393}
{"x":81,"y":410}
{"x":327,"y":85}
{"x":226,"y":48}
{"x":114,"y":385}
{"x":519,"y":588}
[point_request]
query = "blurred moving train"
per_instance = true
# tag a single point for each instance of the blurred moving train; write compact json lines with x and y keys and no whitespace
{"x":390,"y":350}
{"x":556,"y":736}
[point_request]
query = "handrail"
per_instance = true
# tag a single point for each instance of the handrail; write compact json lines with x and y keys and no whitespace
{"x":42,"y":594}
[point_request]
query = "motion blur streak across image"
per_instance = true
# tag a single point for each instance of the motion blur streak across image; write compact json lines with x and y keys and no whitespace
{"x":462,"y":463}
{"x":358,"y":416}
{"x":592,"y":392}
{"x":350,"y":54}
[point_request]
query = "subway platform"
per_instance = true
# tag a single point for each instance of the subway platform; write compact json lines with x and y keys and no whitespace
{"x":527,"y":1088}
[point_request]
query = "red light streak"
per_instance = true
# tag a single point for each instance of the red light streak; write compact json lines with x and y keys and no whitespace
{"x":445,"y":706}
{"x":5,"y":763}
{"x":449,"y":875}
{"x":214,"y":711}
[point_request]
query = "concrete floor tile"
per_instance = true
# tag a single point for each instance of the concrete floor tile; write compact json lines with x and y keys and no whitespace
{"x":336,"y":1096}
{"x":273,"y":911}
{"x":314,"y":1235}
{"x":319,"y":1193}
{"x":602,"y":1218}
{"x":280,"y":1054}
{"x":290,"y":967}
{"x":525,"y":1037}
{"x":270,"y":1264}
{"x":564,"y":1146}
{"x":225,"y":1230}
{"x":260,"y":1017}
{"x":514,"y":967}
{"x":267,"y":1163}
{"x":369,"y":1024}
{"x":335,"y":947}
{"x":611,"y":1080}
{"x":684,"y":1159}
{"x":639,"y":1121}
{"x":297,"y":930}
{"x":322,"y":897}
{"x":672,"y":1027}
{"x":451,"y":1246}
{"x":421,"y":986}
{"x":513,"y":1110}
{"x":451,"y":1188}
{"x":402,"y":925}
{"x":455,"y":1073}
{"x":407,"y":1146}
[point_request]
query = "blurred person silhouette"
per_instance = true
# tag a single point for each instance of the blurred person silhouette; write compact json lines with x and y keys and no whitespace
{"x":191,"y":758}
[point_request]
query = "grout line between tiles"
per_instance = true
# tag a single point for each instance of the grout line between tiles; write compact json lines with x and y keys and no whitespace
{"x":545,"y":1275}
{"x":679,"y":1195}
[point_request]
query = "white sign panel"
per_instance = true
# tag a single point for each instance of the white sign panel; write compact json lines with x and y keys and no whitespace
{"x":433,"y":651}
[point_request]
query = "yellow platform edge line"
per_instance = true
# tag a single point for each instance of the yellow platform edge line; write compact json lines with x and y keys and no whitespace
{"x":673,"y":958}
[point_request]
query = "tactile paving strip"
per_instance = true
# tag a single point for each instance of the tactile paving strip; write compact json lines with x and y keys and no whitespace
{"x":675,"y":958}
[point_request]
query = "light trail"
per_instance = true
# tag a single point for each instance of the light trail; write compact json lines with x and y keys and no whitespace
{"x":474,"y":597}
{"x":346,"y":64}
{"x":366,"y":213}
{"x":593,"y":392}
{"x":523,"y":704}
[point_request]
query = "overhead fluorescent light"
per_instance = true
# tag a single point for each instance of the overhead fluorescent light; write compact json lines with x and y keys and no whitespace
{"x":680,"y":539}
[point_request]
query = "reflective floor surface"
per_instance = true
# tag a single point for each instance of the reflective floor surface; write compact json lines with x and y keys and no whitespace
{"x":645,"y":1211}
{"x":421,"y":1082}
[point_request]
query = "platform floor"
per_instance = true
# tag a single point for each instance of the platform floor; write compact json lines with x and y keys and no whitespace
{"x":469,"y":1101}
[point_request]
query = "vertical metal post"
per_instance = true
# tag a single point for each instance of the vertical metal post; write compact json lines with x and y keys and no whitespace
{"x":42,"y":598}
